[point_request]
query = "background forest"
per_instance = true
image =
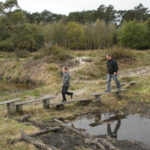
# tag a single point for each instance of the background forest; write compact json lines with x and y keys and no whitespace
{"x":91,"y":29}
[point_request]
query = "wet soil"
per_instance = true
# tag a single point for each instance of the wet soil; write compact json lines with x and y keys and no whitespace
{"x":65,"y":139}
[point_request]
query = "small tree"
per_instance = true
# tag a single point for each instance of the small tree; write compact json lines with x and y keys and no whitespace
{"x":75,"y":36}
{"x":100,"y":34}
{"x":134,"y":35}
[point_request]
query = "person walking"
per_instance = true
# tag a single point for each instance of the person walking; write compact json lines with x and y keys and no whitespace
{"x":66,"y":83}
{"x":112,"y":68}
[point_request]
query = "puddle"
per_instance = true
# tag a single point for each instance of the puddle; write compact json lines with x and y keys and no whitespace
{"x":118,"y":127}
{"x":13,"y":86}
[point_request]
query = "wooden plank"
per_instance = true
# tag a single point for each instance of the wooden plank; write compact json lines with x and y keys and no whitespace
{"x":10,"y":101}
{"x":114,"y":91}
{"x":126,"y":83}
{"x":72,"y":101}
{"x":35,"y":100}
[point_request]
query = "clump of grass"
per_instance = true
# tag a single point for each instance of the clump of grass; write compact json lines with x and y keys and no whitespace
{"x":53,"y":67}
{"x":7,"y":55}
{"x":89,"y":72}
{"x":121,"y":53}
{"x":53,"y":54}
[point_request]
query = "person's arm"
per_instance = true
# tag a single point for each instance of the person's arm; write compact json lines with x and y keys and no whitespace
{"x":61,"y":73}
{"x":115,"y":64}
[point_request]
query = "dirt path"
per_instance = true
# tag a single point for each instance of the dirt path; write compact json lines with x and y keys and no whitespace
{"x":128,"y":72}
{"x":141,"y":71}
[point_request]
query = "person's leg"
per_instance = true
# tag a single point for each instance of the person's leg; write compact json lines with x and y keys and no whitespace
{"x":108,"y":83}
{"x":118,"y":85}
{"x":69,"y":93}
{"x":63,"y":93}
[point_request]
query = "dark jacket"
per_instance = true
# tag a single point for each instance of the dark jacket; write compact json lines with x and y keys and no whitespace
{"x":65,"y":78}
{"x":112,"y":66}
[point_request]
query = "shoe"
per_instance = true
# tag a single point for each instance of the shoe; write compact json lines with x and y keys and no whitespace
{"x":71,"y":95}
{"x":107,"y":90}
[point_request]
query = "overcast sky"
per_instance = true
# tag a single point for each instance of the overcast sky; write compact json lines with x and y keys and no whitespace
{"x":66,"y":6}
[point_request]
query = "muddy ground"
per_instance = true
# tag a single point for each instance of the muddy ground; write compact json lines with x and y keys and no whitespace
{"x":65,"y":139}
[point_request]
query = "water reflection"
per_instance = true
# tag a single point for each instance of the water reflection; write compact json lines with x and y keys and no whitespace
{"x":98,"y":121}
{"x":116,"y":127}
{"x":114,"y":133}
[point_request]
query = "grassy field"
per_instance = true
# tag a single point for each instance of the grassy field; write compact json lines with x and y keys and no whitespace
{"x":138,"y":93}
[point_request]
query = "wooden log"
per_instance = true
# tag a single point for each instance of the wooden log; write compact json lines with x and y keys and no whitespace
{"x":118,"y":95}
{"x":36,"y":142}
{"x":84,"y":103}
{"x":95,"y":141}
{"x":104,"y":141}
{"x":49,"y":129}
{"x":98,"y":97}
{"x":25,"y":118}
{"x":46,"y":103}
{"x":19,"y":108}
{"x":72,"y":129}
{"x":60,"y":107}
{"x":11,"y":108}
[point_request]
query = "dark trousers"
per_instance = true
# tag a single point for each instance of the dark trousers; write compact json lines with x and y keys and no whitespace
{"x":65,"y":92}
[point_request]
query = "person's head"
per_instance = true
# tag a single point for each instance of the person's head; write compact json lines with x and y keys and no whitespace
{"x":108,"y":57}
{"x":64,"y":69}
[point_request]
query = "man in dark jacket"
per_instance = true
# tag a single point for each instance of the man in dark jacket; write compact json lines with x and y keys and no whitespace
{"x":112,"y":68}
{"x":65,"y":85}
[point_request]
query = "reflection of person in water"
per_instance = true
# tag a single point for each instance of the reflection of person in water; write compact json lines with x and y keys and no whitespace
{"x":97,"y":118}
{"x":114,"y":133}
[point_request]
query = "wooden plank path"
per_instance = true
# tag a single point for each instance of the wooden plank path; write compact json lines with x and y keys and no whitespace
{"x":60,"y":106}
{"x":10,"y":105}
{"x":46,"y":103}
{"x":98,"y":95}
{"x":131,"y":83}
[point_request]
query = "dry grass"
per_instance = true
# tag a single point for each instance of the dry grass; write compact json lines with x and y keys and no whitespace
{"x":10,"y":129}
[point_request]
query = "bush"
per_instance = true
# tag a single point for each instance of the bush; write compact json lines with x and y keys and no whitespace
{"x":53,"y":54}
{"x":53,"y":67}
{"x":24,"y":54}
{"x":120,"y":53}
{"x":89,"y":72}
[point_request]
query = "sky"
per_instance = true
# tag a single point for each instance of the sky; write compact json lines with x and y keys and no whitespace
{"x":67,"y":6}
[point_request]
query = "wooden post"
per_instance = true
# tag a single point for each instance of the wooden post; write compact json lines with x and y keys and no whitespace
{"x":11,"y":108}
{"x":19,"y":108}
{"x":98,"y":100}
{"x":60,"y":107}
{"x":46,"y":103}
{"x":118,"y":95}
{"x":98,"y":97}
{"x":84,"y":103}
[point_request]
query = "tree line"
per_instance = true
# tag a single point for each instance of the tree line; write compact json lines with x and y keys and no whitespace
{"x":94,"y":29}
{"x":106,"y":13}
